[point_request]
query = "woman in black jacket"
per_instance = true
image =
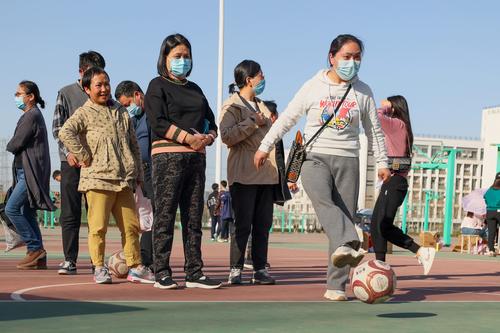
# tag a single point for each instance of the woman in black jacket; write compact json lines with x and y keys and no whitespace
{"x":32,"y":173}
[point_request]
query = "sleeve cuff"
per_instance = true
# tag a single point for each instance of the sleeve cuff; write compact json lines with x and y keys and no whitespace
{"x":265,"y":147}
{"x":176,"y":134}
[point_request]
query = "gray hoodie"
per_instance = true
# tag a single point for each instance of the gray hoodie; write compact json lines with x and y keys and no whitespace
{"x":317,"y":98}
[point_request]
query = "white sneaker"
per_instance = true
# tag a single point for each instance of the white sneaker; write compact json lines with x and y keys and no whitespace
{"x":335,"y":295}
{"x":492,"y":254}
{"x":425,"y":256}
{"x":345,"y":255}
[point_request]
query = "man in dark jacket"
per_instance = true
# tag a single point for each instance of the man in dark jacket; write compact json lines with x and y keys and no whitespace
{"x":130,"y":95}
{"x":69,"y":99}
{"x":213,"y":204}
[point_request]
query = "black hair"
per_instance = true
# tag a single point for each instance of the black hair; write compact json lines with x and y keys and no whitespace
{"x":89,"y":74}
{"x":127,"y":88}
{"x":215,"y":186}
{"x":56,"y":173}
{"x":401,"y":111}
{"x":496,"y":182}
{"x":223,"y":183}
{"x":272,"y":107}
{"x":169,"y":43}
{"x":30,"y":87}
{"x":245,"y":69}
{"x":340,"y":41}
{"x":91,"y":59}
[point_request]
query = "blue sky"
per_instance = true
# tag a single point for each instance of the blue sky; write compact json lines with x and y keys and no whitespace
{"x":443,"y":56}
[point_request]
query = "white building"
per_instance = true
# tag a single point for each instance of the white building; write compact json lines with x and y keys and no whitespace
{"x":490,"y":137}
{"x":468,"y":173}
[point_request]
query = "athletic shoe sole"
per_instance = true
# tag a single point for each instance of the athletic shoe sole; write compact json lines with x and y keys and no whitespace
{"x":201,"y":285}
{"x":134,"y":279}
{"x":66,"y":272}
{"x":264,"y":283}
{"x":343,"y":260}
{"x":104,"y":282}
{"x":171,"y":286}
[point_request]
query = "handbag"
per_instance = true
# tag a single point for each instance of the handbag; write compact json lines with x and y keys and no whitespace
{"x":297,"y":154}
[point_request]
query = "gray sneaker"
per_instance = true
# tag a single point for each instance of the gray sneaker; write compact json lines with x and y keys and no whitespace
{"x":101,"y":276}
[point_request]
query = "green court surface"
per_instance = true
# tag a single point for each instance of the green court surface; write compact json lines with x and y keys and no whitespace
{"x":248,"y":317}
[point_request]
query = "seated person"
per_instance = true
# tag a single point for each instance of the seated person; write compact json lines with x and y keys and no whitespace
{"x":473,"y":225}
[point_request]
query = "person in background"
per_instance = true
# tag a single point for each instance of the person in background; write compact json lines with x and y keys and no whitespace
{"x":226,"y":213}
{"x":56,"y":175}
{"x":182,"y":125}
{"x":492,"y":199}
{"x":31,"y":192}
{"x":473,"y":225}
{"x":130,"y":96}
{"x":244,"y":122}
{"x":330,"y":173}
{"x":394,"y":117}
{"x":101,"y":137}
{"x":213,"y":205}
{"x":69,"y":99}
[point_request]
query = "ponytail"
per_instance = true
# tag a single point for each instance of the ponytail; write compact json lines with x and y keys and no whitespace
{"x":232,"y":88}
{"x":31,"y":88}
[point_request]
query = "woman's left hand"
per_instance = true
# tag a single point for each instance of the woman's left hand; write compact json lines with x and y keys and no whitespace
{"x":384,"y":174}
{"x":260,"y":158}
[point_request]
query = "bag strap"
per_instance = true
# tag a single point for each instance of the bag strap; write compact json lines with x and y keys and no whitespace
{"x":249,"y":106}
{"x":329,"y":118}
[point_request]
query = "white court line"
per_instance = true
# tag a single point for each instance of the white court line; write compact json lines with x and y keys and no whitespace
{"x":16,"y":295}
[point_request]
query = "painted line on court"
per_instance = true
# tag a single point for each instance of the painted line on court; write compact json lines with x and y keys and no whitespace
{"x":16,"y":295}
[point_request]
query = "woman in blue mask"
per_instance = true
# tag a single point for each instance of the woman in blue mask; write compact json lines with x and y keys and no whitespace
{"x":31,"y":192}
{"x":178,"y":112}
{"x":245,"y":120}
{"x":330,"y":173}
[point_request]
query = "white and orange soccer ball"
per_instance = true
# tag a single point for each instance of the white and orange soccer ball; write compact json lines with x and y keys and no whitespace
{"x":373,"y":281}
{"x":117,"y":265}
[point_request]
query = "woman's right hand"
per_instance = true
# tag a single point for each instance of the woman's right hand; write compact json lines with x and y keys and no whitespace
{"x":260,"y":158}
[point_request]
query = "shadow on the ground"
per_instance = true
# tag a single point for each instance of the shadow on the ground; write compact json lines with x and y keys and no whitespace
{"x":48,"y":308}
{"x":404,"y":315}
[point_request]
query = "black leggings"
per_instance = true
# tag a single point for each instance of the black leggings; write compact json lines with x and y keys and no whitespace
{"x":492,"y":220}
{"x":382,"y":228}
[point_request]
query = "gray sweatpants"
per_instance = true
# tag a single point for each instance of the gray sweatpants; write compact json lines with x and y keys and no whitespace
{"x":332,"y":184}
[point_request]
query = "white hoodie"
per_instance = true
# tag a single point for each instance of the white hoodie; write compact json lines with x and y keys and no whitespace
{"x":318,"y":98}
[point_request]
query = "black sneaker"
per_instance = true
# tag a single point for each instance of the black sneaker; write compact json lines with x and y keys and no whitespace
{"x":262,"y":277}
{"x":203,"y":282}
{"x":166,"y":282}
{"x":67,"y":268}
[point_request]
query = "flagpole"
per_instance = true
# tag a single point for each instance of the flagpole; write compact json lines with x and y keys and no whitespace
{"x":218,"y":151}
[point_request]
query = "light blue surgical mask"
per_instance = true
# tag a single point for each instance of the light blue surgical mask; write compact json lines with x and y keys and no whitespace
{"x":347,"y":69}
{"x":134,"y":110}
{"x":19,"y":102}
{"x":180,"y":67}
{"x":259,"y":88}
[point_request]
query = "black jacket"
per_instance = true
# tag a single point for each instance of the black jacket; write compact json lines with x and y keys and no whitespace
{"x":30,"y":140}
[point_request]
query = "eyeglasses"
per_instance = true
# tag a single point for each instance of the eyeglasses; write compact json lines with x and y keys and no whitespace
{"x":17,"y":94}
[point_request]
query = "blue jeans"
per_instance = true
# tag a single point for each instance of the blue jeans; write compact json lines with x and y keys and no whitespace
{"x":22,"y":215}
{"x":479,"y":232}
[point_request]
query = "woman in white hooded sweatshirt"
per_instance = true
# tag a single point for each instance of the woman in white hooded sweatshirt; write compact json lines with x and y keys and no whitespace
{"x":330,"y":173}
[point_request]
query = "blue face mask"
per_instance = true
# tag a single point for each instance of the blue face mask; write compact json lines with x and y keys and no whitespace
{"x":19,"y":102}
{"x":347,"y":69}
{"x":180,"y":67}
{"x":134,"y":110}
{"x":259,"y":88}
